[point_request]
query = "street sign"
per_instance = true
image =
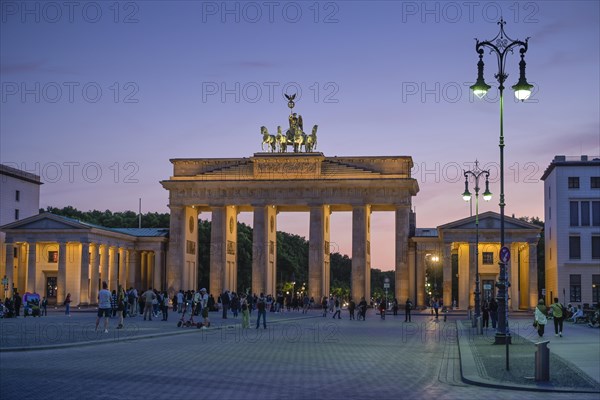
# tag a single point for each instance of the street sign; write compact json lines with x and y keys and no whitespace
{"x":487,"y":286}
{"x":504,"y":254}
{"x":386,"y":285}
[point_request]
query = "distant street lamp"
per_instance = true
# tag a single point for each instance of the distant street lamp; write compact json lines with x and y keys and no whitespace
{"x":487,"y":196}
{"x":501,"y":45}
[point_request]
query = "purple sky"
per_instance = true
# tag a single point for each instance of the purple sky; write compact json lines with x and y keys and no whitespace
{"x":97,"y":99}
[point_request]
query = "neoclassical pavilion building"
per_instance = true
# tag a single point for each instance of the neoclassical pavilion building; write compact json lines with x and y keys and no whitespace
{"x":54,"y":255}
{"x":450,"y":254}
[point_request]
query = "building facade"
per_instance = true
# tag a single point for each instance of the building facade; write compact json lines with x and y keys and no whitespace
{"x":19,"y":198}
{"x":572,"y":234}
{"x":443,"y":261}
{"x":53,"y":255}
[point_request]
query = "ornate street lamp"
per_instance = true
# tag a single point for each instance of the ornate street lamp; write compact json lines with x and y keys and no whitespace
{"x":487,"y":196}
{"x":501,"y":45}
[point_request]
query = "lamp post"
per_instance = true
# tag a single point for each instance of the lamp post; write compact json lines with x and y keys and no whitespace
{"x":501,"y":45}
{"x":476,"y":173}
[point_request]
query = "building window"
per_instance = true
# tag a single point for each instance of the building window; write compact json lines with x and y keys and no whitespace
{"x":573,"y":182}
{"x":575,"y":288}
{"x":595,"y":213}
{"x":574,"y":212}
{"x":585,"y":213}
{"x":53,"y":257}
{"x":595,"y":289}
{"x":16,"y":214}
{"x":596,"y":247}
{"x":595,"y":182}
{"x":574,"y":247}
{"x":488,"y":257}
{"x":17,"y":195}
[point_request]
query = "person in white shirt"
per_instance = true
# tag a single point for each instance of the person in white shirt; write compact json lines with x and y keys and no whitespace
{"x":104,"y":306}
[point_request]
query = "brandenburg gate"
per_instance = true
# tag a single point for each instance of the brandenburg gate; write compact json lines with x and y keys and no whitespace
{"x":268,"y":183}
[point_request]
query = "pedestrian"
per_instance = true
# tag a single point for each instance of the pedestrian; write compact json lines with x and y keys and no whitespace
{"x":305,"y":304}
{"x":493,"y":312}
{"x":205,"y":305}
{"x":261,"y":307}
{"x":17,"y":303}
{"x":225,"y":302}
{"x":121,"y":306}
{"x":338,"y":308}
{"x":436,"y":306}
{"x":540,"y":317}
{"x":382,"y":308}
{"x":113,"y":303}
{"x":165,"y":306}
{"x":245,"y":313}
{"x":45,"y":307}
{"x":351,"y":308}
{"x":104,"y":308}
{"x":179,"y":301}
{"x":558,"y":313}
{"x":148,"y":296}
{"x":67,"y":304}
{"x":324,"y":306}
{"x":362,"y":309}
{"x":395,"y":306}
{"x":485,"y":311}
{"x":407,"y":307}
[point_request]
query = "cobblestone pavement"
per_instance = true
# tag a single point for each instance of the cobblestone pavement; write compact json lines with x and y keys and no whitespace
{"x":316,"y":358}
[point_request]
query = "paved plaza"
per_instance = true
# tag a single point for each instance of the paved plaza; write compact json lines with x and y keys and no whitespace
{"x":298,"y":356}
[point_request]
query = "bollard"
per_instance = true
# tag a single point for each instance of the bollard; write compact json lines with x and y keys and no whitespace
{"x":542,"y":362}
{"x":479,"y":326}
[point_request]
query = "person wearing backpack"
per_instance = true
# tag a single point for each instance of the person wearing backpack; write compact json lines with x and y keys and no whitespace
{"x":558,"y":314}
{"x":261,"y":307}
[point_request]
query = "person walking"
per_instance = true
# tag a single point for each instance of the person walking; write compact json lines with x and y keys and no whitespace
{"x":540,"y":317}
{"x":17,"y":303}
{"x":148,"y":296}
{"x":245,"y":313}
{"x":407,"y":308}
{"x":45,"y":307}
{"x":351,"y":308}
{"x":558,"y":313}
{"x":68,"y":305}
{"x":165,"y":306}
{"x":362,"y":307}
{"x":436,"y":307}
{"x":225,"y":301}
{"x":121,"y":306}
{"x":485,"y":312}
{"x":261,"y":307}
{"x":395,"y":306}
{"x":324,"y":306}
{"x":104,"y":308}
{"x":493,"y":312}
{"x":338,"y":308}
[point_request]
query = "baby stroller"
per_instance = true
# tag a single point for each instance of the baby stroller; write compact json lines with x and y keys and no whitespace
{"x":32,"y":305}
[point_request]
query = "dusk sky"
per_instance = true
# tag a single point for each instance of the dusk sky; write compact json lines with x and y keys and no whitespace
{"x":96,"y":97}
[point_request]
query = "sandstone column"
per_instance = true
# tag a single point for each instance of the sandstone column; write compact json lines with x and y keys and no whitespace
{"x":420,"y":278}
{"x":447,"y":266}
{"x":84,"y":286}
{"x":122,"y":267}
{"x":95,"y":276}
{"x":112,"y":268}
{"x":402,"y":274}
{"x":158,"y":270}
{"x":223,"y":245}
{"x":61,"y":279}
{"x":104,"y":264}
{"x":264,"y":250}
{"x":183,"y":243}
{"x":533,"y":277}
{"x":318,"y":253}
{"x":10,"y":265}
{"x":361,"y":253}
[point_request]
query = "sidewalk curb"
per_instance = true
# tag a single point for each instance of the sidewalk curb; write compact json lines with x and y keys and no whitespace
{"x":132,"y":338}
{"x":469,"y":372}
